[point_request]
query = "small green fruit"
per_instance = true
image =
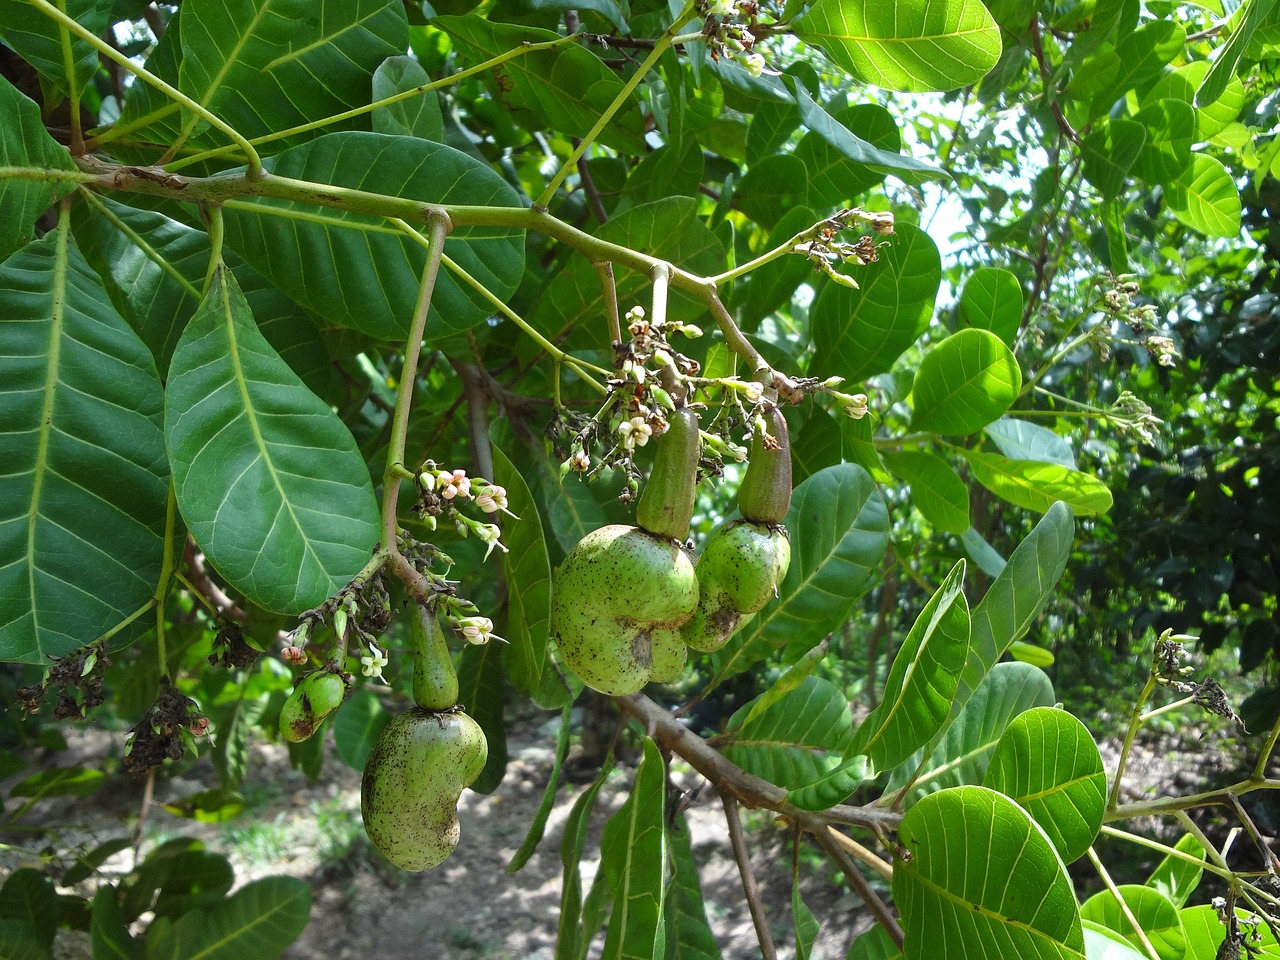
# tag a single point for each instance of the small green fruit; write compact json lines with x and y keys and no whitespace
{"x":316,"y":695}
{"x":435,"y":682}
{"x":764,"y":495}
{"x":739,"y":571}
{"x":666,"y":505}
{"x":419,"y":766}
{"x":614,"y":593}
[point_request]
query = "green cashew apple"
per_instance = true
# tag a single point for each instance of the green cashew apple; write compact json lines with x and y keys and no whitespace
{"x":738,"y":573}
{"x":622,"y":592}
{"x":419,"y":766}
{"x":435,"y":682}
{"x":315,"y":696}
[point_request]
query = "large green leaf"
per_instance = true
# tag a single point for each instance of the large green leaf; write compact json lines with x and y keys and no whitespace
{"x":84,"y":486}
{"x":537,"y":828}
{"x":689,"y":935}
{"x":992,"y":300}
{"x":569,"y":937}
{"x":528,"y":573}
{"x":1037,"y":485}
{"x":835,"y":179}
{"x":857,"y":333}
{"x":979,"y":872}
{"x":875,"y":944}
{"x":839,"y":531}
{"x":633,"y":856}
{"x":1047,"y":761}
{"x":567,"y":87}
{"x":259,"y":920}
{"x":1021,"y":440}
{"x":1205,"y":934}
{"x":1174,"y":877}
{"x":1205,"y":198}
{"x":767,"y":192}
{"x":268,"y":479}
{"x":38,"y":39}
{"x":1250,"y":15}
{"x":909,"y":45}
{"x":108,"y":932}
{"x":772,"y":285}
{"x":416,"y":117}
{"x":29,"y":896}
{"x":961,"y":757}
{"x":1016,"y":597}
{"x":669,"y":229}
{"x":265,"y":65}
{"x":357,"y":271}
{"x":797,"y":740}
{"x":1171,"y":128}
{"x":1110,"y":152}
{"x":922,"y":680}
{"x":480,"y":691}
{"x":1155,"y":913}
{"x":25,"y":144}
{"x":818,"y":444}
{"x":964,"y":383}
{"x":357,"y":725}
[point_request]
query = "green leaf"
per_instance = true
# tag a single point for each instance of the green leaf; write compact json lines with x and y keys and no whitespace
{"x":1103,"y":944}
{"x":415,"y":117}
{"x":805,"y":924}
{"x":269,"y":480}
{"x":1037,"y":485}
{"x":839,"y":531}
{"x":108,"y":932}
{"x":1020,"y":440}
{"x":964,"y":383}
{"x":480,"y":691}
{"x":689,"y":935}
{"x":1205,"y":198}
{"x":668,"y":229}
{"x":992,"y":300}
{"x":982,"y":872}
{"x":961,"y":757}
{"x":832,"y":787}
{"x":528,"y":572}
{"x":567,"y":88}
{"x":259,"y":920}
{"x":1249,"y":16}
{"x":922,"y":680}
{"x":38,"y":39}
{"x":767,"y":192}
{"x":910,"y":45}
{"x":1182,"y":83}
{"x":1156,"y":915}
{"x":633,"y":856}
{"x":84,"y":487}
{"x":1016,"y":597}
{"x":357,"y":725}
{"x":982,"y":553}
{"x":772,"y":285}
{"x":87,"y":864}
{"x":1174,"y":877}
{"x":207,"y":806}
{"x":539,"y":824}
{"x":857,"y":333}
{"x":236,"y":725}
{"x":353,"y":269}
{"x":936,"y":489}
{"x":834,"y":179}
{"x":1138,"y":58}
{"x":29,"y":896}
{"x":1047,"y":762}
{"x":875,"y":944}
{"x":1205,"y":933}
{"x":797,"y":741}
{"x":569,"y":937}
{"x":818,"y":444}
{"x":20,"y":941}
{"x":256,"y":63}
{"x":1171,"y":127}
{"x":1110,"y":152}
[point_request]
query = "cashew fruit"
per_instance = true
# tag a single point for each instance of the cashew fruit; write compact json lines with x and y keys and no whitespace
{"x":315,"y":696}
{"x":618,"y":596}
{"x":765,"y":493}
{"x":435,"y":682}
{"x":666,"y":505}
{"x":415,"y":773}
{"x":739,"y":571}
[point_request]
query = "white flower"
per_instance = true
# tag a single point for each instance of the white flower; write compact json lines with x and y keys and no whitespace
{"x":754,"y":62}
{"x":476,"y":630}
{"x":635,"y":432}
{"x":857,"y":406}
{"x":492,"y":499}
{"x":454,"y":483}
{"x":721,"y":8}
{"x":371,"y":664}
{"x":489,"y":533}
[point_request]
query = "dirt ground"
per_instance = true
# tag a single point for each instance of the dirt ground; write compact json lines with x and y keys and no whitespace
{"x":470,"y":907}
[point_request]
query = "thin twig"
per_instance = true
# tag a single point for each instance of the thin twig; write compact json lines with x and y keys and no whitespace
{"x":609,"y":287}
{"x":767,"y":950}
{"x":859,"y":883}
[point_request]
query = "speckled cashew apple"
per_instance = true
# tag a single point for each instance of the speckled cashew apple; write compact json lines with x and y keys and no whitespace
{"x":419,"y":766}
{"x":315,"y":696}
{"x":744,"y":560}
{"x":623,"y":592}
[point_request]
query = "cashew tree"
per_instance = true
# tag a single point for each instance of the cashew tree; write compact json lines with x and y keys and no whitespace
{"x":367,"y":367}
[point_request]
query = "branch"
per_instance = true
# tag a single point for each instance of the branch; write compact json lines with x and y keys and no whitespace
{"x":767,"y":950}
{"x":859,"y":883}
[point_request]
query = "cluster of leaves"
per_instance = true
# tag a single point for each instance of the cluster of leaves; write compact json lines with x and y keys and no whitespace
{"x":269,"y":265}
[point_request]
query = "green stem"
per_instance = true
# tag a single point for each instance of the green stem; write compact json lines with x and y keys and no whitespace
{"x":196,"y":593}
{"x":1192,"y":828}
{"x":377,"y":104}
{"x":73,"y":91}
{"x":438,"y":226}
{"x":253,"y":161}
{"x":1168,"y":707}
{"x":168,"y":567}
{"x":1171,"y":805}
{"x":140,"y":242}
{"x":1135,"y":721}
{"x":1124,"y":907}
{"x":659,"y":48}
{"x":215,"y":242}
{"x":1167,"y":850}
{"x":1260,"y":768}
